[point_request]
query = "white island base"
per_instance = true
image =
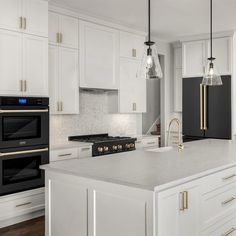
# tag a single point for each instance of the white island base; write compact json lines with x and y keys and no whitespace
{"x":200,"y":203}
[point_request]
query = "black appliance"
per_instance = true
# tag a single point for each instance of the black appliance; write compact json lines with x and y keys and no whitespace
{"x":24,"y":143}
{"x":104,"y":144}
{"x":206,"y":109}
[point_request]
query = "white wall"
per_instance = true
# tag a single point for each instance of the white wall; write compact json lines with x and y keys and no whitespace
{"x":93,"y":118}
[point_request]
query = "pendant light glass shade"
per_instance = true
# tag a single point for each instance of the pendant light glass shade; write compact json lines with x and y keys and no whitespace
{"x":211,"y":76}
{"x":150,"y":67}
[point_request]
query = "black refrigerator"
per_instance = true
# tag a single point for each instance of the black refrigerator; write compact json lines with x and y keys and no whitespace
{"x":206,"y":109}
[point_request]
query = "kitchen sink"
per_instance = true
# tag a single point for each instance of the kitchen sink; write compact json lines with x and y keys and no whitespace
{"x":160,"y":149}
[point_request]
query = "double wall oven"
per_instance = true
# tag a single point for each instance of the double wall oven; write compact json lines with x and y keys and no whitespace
{"x":24,"y":143}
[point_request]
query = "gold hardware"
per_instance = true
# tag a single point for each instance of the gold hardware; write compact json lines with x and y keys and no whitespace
{"x":25,"y":111}
{"x":201,"y":108}
{"x":21,"y":22}
{"x":134,"y":106}
{"x":3,"y":154}
{"x":25,"y":85}
{"x":205,"y":107}
{"x":180,"y":143}
{"x":85,"y":149}
{"x":61,"y":106}
{"x":61,"y":37}
{"x":229,"y":177}
{"x":58,"y":106}
{"x":21,"y":85}
{"x":24,"y":23}
{"x":24,"y":204}
{"x":134,"y":52}
{"x":184,"y":201}
{"x":228,"y":201}
{"x":229,"y":232}
{"x":64,"y":155}
{"x":58,"y":38}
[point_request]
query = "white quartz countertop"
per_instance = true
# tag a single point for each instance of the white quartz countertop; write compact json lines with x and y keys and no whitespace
{"x":69,"y":144}
{"x":154,"y":171}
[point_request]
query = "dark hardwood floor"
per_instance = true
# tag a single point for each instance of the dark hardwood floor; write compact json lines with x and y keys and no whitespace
{"x":33,"y":227}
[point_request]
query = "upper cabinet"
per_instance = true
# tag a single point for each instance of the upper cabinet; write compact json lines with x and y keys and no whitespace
{"x":131,"y":45}
{"x":63,"y":30}
{"x":99,"y":56}
{"x":25,"y":16}
{"x":195,"y":54}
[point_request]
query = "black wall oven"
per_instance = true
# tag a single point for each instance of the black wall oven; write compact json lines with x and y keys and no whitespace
{"x":23,"y":122}
{"x":24,"y":143}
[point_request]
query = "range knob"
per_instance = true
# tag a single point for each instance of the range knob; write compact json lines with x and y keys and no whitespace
{"x":100,"y":149}
{"x":114,"y":147}
{"x":106,"y":149}
{"x":127,"y":146}
{"x":119,"y":147}
{"x":132,"y":145}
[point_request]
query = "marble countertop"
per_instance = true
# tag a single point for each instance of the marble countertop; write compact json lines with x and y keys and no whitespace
{"x":69,"y":144}
{"x":154,"y":171}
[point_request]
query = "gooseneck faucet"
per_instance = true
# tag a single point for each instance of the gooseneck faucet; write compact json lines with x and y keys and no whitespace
{"x":180,"y":142}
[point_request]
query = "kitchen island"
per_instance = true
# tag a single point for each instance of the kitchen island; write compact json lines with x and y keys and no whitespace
{"x":141,"y":193}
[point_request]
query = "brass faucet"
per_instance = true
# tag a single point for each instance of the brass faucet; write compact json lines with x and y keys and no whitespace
{"x":180,"y":142}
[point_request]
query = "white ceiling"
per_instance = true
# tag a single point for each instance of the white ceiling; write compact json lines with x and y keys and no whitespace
{"x":171,"y":19}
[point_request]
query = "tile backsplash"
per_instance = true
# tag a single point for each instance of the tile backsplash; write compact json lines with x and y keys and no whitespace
{"x":93,"y":118}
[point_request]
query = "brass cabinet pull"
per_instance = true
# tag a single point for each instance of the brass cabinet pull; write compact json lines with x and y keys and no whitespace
{"x":229,"y":232}
{"x":21,"y":22}
{"x":25,"y":23}
{"x":205,"y":108}
{"x":61,"y":37}
{"x":134,"y":106}
{"x":21,"y":85}
{"x":134,"y":52}
{"x":58,"y":38}
{"x":3,"y":154}
{"x":85,"y":149}
{"x":61,"y":106}
{"x":24,"y":204}
{"x":25,"y":85}
{"x":201,"y":107}
{"x":184,"y":201}
{"x":228,"y":201}
{"x":229,"y":177}
{"x":65,"y":155}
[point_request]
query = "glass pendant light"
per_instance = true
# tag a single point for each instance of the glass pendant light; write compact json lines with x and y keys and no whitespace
{"x":150,"y":67}
{"x":211,"y":76}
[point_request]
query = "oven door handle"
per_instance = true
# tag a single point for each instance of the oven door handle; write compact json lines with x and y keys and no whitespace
{"x":3,"y":154}
{"x":25,"y":111}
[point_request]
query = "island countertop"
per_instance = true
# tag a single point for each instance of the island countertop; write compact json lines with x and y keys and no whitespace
{"x":154,"y":170}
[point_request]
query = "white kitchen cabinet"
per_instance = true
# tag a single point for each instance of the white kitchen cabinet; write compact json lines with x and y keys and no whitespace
{"x":223,"y":54}
{"x":24,"y":65}
{"x":99,"y":56}
{"x":178,"y":81}
{"x":63,"y":30}
{"x":10,"y":63}
{"x":64,"y":81}
{"x":35,"y":65}
{"x":131,"y":45}
{"x":36,"y":17}
{"x":178,"y":211}
{"x":25,"y":16}
{"x":194,"y":58}
{"x":131,"y":97}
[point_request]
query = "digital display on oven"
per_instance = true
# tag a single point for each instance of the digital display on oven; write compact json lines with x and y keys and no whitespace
{"x":22,"y":101}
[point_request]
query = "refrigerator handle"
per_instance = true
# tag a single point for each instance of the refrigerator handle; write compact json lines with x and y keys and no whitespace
{"x":205,"y":107}
{"x":201,"y":107}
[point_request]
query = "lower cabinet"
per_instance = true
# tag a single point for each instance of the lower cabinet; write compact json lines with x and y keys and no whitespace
{"x":63,"y":80}
{"x":178,"y":211}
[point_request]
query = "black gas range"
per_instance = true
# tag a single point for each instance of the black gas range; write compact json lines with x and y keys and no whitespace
{"x":104,"y":144}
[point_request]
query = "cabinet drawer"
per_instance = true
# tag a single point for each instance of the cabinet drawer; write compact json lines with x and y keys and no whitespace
{"x":149,"y":142}
{"x":63,"y":154}
{"x":85,"y":152}
{"x":218,"y":180}
{"x":217,"y":204}
{"x":20,"y":206}
{"x":225,"y":228}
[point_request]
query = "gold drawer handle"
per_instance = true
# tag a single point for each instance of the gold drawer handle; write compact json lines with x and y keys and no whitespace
{"x":184,"y":197}
{"x":229,"y":177}
{"x":24,"y":204}
{"x":229,"y":232}
{"x":228,"y":201}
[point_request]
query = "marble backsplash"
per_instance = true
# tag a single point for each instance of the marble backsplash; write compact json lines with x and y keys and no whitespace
{"x":93,"y":118}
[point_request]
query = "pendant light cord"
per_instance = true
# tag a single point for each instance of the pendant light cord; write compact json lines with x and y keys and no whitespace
{"x":149,"y":20}
{"x":211,"y":16}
